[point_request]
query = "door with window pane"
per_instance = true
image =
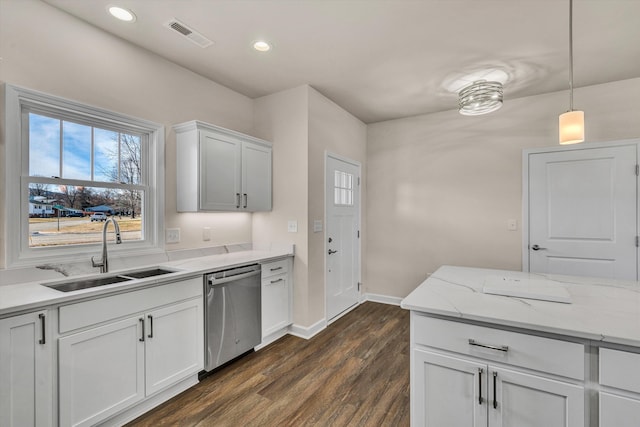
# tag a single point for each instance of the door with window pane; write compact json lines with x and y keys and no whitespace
{"x":343,"y":243}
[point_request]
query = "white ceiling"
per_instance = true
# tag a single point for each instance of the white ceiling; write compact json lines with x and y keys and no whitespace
{"x":385,"y":59}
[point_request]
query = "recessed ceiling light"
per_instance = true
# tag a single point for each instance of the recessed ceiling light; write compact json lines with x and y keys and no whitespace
{"x":122,"y":14}
{"x":261,"y":46}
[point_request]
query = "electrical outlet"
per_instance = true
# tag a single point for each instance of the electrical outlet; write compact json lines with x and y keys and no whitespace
{"x":206,"y":234}
{"x":292,"y":226}
{"x":172,"y":235}
{"x":512,"y":224}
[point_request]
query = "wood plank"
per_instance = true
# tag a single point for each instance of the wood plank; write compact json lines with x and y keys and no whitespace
{"x":355,"y":372}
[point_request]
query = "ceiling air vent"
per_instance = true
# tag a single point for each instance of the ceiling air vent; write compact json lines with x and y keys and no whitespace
{"x":189,"y":33}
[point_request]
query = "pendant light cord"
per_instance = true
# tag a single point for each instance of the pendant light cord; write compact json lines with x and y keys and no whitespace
{"x":570,"y":55}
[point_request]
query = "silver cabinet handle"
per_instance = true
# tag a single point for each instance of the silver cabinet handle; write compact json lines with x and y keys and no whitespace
{"x":489,"y":346}
{"x":150,"y":317}
{"x":276,"y":281}
{"x":331,"y":252}
{"x":246,"y":200}
{"x":43,"y":333}
{"x":141,"y":339}
{"x":538,"y":248}
{"x":495,"y":397}
{"x":238,"y":200}
{"x":480,"y":400}
{"x":275,"y":269}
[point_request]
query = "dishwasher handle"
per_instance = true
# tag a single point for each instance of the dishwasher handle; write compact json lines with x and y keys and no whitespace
{"x":215,"y":282}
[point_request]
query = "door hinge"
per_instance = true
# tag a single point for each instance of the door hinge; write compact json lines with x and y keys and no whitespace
{"x":358,"y":180}
{"x":359,"y":286}
{"x":637,"y":170}
{"x":637,"y":241}
{"x":358,"y":234}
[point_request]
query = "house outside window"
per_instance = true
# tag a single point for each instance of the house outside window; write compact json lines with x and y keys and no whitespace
{"x":66,"y":162}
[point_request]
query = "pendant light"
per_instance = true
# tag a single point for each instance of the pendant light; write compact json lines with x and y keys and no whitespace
{"x":571,"y":123}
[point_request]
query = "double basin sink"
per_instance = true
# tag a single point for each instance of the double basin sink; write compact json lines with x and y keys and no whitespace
{"x":76,"y":285}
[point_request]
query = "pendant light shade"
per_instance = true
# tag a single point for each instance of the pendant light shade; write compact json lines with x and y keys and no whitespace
{"x":571,"y":123}
{"x":571,"y":127}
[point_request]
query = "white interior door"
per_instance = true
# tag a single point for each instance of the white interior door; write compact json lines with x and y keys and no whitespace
{"x":582,"y":212}
{"x":343,"y":243}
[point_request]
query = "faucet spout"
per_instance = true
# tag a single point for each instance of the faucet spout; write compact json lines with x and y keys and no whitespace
{"x":104,"y":262}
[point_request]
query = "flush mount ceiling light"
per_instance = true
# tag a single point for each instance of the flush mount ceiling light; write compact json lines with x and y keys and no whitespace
{"x":571,"y":123}
{"x":122,"y":14}
{"x":480,"y":97}
{"x":261,"y":46}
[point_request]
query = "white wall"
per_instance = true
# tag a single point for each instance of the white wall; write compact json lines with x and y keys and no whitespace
{"x":48,"y":50}
{"x":282,"y":118}
{"x":303,"y":124}
{"x":335,"y":130}
{"x":442,"y":186}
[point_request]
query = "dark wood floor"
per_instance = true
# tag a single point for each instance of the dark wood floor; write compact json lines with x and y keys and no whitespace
{"x":354,"y":373}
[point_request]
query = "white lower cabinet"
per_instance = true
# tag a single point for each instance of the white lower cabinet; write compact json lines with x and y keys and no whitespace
{"x":26,"y":381}
{"x":620,"y":393}
{"x":448,"y":391}
{"x":463,"y":393}
{"x":174,"y":344}
{"x":107,"y":368}
{"x":276,"y":297}
{"x":101,"y":372}
{"x":526,"y":400}
{"x":466,"y":375}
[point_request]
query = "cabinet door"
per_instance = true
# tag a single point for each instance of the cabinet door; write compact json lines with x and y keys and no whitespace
{"x":26,"y":392}
{"x":447,"y":391}
{"x":174,"y":344}
{"x":276,"y":312}
{"x":220,"y":173}
{"x":101,"y":371}
{"x":619,"y":411}
{"x":256,"y":177}
{"x":523,"y":400}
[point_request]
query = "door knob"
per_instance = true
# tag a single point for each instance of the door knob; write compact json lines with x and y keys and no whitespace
{"x":538,"y":248}
{"x":331,"y":252}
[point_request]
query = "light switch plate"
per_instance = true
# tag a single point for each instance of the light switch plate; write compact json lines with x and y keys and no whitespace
{"x":512,"y":224}
{"x":172,"y":235}
{"x":206,"y":234}
{"x":317,"y":225}
{"x":292,"y":226}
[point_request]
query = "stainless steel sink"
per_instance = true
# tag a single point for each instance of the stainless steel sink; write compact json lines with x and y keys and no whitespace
{"x":76,"y":285}
{"x":141,"y":274}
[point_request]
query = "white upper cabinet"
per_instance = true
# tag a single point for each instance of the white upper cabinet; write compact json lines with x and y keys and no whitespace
{"x":221,"y":170}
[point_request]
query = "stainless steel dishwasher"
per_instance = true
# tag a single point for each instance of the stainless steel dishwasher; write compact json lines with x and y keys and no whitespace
{"x":232,"y":314}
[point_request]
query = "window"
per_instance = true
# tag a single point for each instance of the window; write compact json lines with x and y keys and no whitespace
{"x":343,"y":189}
{"x":76,"y":166}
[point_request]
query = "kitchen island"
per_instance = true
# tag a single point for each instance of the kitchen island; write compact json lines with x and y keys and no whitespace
{"x":488,"y":348}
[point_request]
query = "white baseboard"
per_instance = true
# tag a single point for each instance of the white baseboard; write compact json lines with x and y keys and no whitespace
{"x":308,"y":332}
{"x":384,"y":299}
{"x":150,"y":403}
{"x":273,"y":337}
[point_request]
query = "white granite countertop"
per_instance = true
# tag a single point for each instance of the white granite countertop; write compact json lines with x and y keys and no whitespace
{"x":29,"y":296}
{"x":601,"y":309}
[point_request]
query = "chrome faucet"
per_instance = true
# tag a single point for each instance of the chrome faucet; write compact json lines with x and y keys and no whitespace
{"x":104,"y":263}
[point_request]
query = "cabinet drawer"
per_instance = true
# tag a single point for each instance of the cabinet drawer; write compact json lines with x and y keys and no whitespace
{"x":620,"y":369}
{"x":275,"y":268}
{"x":518,"y":349}
{"x":87,"y":313}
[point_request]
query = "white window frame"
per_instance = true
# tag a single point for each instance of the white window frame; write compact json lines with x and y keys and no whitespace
{"x":16,"y":166}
